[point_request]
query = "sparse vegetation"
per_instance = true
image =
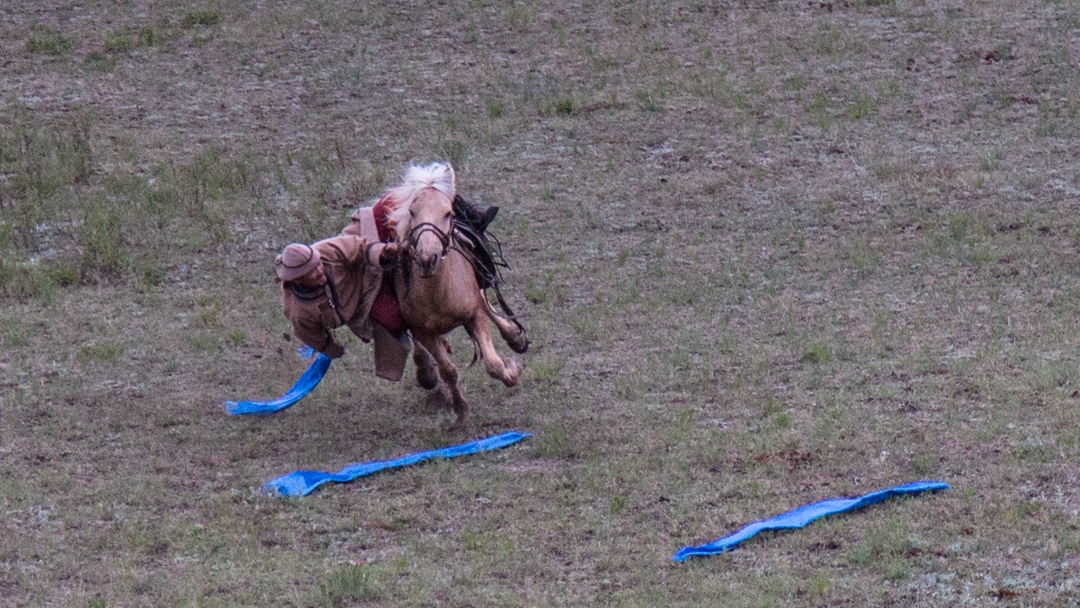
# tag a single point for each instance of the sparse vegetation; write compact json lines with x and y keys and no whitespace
{"x":205,"y":17}
{"x":348,"y":584}
{"x":128,"y":40}
{"x":767,"y":254}
{"x":48,"y":41}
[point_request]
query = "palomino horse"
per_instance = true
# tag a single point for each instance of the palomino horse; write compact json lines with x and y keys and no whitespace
{"x":437,"y":287}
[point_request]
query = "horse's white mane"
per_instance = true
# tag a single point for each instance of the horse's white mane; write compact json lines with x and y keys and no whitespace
{"x":438,"y":176}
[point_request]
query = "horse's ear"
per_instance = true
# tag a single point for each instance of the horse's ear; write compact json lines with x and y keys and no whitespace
{"x":453,"y":180}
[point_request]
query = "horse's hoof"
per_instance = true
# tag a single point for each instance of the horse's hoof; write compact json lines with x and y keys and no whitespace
{"x":426,"y":377}
{"x":519,"y":343}
{"x":513,"y":368}
{"x":459,"y":425}
{"x":520,"y":346}
{"x":438,"y":400}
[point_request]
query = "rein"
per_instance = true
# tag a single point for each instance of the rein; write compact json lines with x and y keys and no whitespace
{"x":445,"y":239}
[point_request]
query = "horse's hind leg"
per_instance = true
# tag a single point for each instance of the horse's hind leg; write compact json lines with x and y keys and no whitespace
{"x":507,"y":372}
{"x":511,"y":332}
{"x":437,"y":347}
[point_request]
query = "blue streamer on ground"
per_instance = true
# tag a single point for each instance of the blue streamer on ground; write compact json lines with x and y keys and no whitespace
{"x":302,"y":483}
{"x":802,"y":516}
{"x":303,"y":386}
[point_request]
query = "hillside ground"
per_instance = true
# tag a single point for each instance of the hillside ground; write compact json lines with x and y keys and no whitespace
{"x":768,"y":253}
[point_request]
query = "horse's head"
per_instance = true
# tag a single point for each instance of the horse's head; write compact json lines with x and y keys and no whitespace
{"x":431,"y":224}
{"x":424,"y":221}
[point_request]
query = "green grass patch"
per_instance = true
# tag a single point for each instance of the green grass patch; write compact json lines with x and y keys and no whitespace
{"x":102,"y":352}
{"x":351,"y":583}
{"x":817,"y":354}
{"x":204,"y":18}
{"x":15,"y":333}
{"x":129,"y":40}
{"x":50,"y":42}
{"x":101,"y":238}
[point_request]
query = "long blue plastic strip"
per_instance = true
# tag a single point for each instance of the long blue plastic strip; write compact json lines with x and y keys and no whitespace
{"x":802,"y":516}
{"x":302,"y":483}
{"x":303,"y":386}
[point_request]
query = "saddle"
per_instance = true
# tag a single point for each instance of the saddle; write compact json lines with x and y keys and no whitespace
{"x":484,"y":249}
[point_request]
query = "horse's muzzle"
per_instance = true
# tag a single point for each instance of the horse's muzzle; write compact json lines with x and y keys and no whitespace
{"x":426,"y":265}
{"x":428,"y":253}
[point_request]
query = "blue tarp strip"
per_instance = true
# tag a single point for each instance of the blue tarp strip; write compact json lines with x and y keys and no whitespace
{"x":302,"y":483}
{"x":802,"y":516}
{"x":303,"y":386}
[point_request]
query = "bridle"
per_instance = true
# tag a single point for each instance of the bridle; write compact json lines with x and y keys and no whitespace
{"x":445,"y":238}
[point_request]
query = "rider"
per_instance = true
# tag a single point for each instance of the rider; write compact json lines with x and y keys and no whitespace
{"x":472,"y":215}
{"x":332,"y":283}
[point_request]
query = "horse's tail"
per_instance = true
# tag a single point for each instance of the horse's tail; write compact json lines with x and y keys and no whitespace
{"x":477,"y":354}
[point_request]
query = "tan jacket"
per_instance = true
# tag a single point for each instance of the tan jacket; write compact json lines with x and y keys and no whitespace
{"x":351,"y":266}
{"x":370,"y":222}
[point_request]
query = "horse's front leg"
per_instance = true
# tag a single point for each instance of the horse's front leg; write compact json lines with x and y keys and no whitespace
{"x":507,"y":372}
{"x":511,"y":332}
{"x":437,"y":347}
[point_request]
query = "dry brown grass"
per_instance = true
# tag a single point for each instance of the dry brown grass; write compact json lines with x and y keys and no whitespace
{"x":768,"y":253}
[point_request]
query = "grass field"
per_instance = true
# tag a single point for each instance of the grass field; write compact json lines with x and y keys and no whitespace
{"x":768,"y":253}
